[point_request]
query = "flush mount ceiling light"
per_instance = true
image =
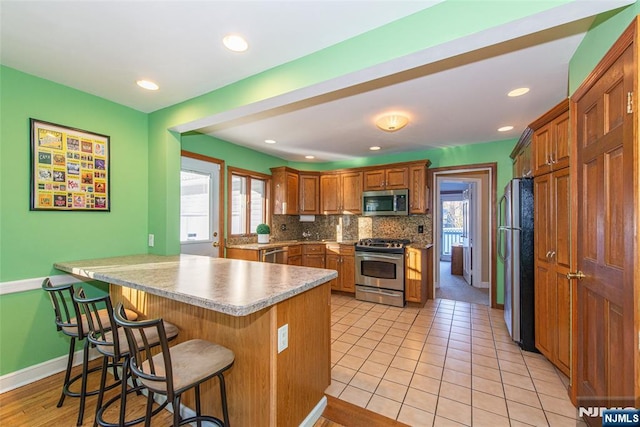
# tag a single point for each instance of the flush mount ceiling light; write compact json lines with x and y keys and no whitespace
{"x":392,"y":122}
{"x":235,"y":43}
{"x":146,"y":84}
{"x":505,"y":128}
{"x":309,"y":157}
{"x":270,"y":141}
{"x":374,"y":148}
{"x":518,"y":92}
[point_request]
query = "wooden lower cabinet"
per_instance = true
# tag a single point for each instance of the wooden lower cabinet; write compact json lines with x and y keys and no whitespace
{"x":342,"y":259}
{"x":294,"y":256}
{"x":418,"y":276}
{"x":552,"y":263}
{"x":313,"y":255}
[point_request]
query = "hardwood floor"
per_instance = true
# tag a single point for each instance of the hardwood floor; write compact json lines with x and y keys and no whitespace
{"x":35,"y":405}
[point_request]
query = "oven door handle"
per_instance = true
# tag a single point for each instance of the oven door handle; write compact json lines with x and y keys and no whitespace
{"x":380,"y":291}
{"x":374,"y":257}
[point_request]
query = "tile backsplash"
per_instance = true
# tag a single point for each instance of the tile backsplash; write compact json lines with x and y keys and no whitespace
{"x":352,"y":227}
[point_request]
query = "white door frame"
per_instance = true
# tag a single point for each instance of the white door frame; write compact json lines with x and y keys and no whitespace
{"x":217,"y":203}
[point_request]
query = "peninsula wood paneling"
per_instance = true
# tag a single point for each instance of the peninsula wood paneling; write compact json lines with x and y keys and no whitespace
{"x":264,"y":388}
{"x":304,"y":368}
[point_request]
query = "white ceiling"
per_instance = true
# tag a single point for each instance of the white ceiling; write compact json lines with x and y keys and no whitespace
{"x":103,"y":47}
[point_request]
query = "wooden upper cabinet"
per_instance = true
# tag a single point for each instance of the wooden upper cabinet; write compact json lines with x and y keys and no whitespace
{"x":330,"y":194}
{"x":550,"y":145}
{"x":341,"y":193}
{"x":386,"y":179}
{"x":284,"y":183}
{"x":351,"y":183}
{"x":309,"y":193}
{"x":522,"y":155}
{"x":418,"y":192}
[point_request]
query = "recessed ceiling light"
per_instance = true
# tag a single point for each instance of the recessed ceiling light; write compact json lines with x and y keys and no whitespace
{"x":374,"y":148}
{"x":235,"y":43}
{"x":309,"y":157}
{"x":270,"y":141}
{"x":505,"y":128}
{"x":519,"y":91}
{"x":146,"y":84}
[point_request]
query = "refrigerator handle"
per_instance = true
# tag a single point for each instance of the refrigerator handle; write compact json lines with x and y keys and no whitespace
{"x":501,"y":240}
{"x":501,"y":203}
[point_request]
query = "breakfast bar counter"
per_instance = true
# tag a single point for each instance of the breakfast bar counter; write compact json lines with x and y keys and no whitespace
{"x":240,"y":305}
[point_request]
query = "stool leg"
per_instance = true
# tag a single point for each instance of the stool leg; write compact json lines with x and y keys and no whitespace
{"x":198,"y":409}
{"x":83,"y":389}
{"x":67,"y":375}
{"x":176,"y":411}
{"x":223,"y":397}
{"x":103,"y":382}
{"x":147,"y":418}
{"x":123,"y":392}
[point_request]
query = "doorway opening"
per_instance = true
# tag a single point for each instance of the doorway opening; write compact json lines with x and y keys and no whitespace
{"x":463,"y":230}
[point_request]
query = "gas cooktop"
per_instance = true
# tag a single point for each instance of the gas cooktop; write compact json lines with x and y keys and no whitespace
{"x":382,"y":245}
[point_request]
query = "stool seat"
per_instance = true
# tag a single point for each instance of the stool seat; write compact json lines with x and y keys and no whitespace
{"x":107,"y":348}
{"x":104,"y":318}
{"x":192,"y":362}
{"x":175,"y":369}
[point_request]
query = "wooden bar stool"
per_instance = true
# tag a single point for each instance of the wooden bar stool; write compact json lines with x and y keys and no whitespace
{"x":112,"y":344}
{"x":66,"y":318}
{"x":176,"y":369}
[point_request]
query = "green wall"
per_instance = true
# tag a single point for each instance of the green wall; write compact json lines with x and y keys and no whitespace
{"x":33,"y":240}
{"x":604,"y":31}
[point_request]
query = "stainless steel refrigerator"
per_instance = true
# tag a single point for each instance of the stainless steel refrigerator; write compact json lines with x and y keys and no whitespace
{"x":516,"y":249}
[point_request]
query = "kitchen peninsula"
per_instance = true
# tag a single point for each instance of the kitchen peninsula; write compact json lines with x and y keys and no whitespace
{"x":240,"y":305}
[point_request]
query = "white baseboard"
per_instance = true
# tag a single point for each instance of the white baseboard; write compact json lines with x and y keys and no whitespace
{"x":315,"y":413}
{"x":42,"y":370}
{"x":36,"y":283}
{"x":483,"y":285}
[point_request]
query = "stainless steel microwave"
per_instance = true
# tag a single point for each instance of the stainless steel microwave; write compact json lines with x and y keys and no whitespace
{"x":385,"y":202}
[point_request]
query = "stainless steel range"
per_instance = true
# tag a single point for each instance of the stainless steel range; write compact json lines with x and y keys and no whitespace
{"x":380,"y":270}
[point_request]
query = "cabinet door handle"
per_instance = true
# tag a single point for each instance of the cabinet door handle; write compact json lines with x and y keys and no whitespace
{"x":553,"y":253}
{"x":548,"y":254}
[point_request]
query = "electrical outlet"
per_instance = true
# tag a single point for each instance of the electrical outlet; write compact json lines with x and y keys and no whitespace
{"x":152,"y":240}
{"x":283,"y":337}
{"x":283,"y":227}
{"x":421,"y":229}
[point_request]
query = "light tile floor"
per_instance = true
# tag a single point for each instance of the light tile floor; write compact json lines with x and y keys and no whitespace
{"x":447,"y":364}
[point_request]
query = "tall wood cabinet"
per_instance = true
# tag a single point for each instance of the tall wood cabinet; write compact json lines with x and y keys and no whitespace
{"x":552,"y":226}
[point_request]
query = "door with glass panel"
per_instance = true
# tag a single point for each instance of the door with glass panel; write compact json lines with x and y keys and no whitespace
{"x":200,"y":202}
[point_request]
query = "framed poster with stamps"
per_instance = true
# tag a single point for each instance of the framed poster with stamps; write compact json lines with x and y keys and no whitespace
{"x":69,"y":169}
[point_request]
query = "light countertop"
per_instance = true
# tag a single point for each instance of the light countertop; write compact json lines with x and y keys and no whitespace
{"x":229,"y":286}
{"x":280,"y":244}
